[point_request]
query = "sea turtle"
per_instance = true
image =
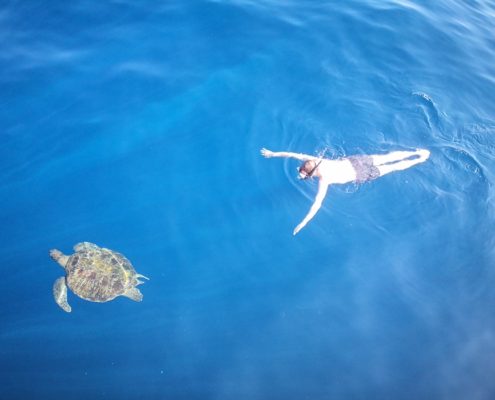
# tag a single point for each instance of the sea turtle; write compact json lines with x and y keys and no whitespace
{"x":95,"y":274}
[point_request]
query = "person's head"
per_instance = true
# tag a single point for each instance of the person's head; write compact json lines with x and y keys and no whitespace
{"x":307,"y":169}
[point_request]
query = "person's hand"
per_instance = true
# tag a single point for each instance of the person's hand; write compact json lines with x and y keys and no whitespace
{"x":297,"y":229}
{"x":266,"y":153}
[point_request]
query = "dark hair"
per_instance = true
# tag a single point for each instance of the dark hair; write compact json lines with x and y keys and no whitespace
{"x":309,"y":167}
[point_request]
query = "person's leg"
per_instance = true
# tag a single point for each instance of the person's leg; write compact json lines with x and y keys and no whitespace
{"x":422,"y":156}
{"x":395,"y":156}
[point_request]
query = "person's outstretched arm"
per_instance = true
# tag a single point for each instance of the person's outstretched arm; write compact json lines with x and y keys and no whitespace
{"x":298,"y":156}
{"x":322,"y":191}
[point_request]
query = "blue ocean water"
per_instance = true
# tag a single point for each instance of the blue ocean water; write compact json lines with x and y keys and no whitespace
{"x":138,"y":125}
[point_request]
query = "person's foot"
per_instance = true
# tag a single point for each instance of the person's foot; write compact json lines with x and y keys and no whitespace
{"x":423,"y":154}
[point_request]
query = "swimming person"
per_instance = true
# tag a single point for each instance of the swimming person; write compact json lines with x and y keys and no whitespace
{"x":359,"y":168}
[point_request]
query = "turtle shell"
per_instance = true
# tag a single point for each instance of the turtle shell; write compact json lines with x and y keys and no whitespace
{"x":99,"y":274}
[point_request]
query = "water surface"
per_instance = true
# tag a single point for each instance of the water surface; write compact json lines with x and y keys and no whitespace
{"x":138,"y":127}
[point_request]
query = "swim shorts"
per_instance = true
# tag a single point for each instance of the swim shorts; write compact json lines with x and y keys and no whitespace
{"x":365,"y":170}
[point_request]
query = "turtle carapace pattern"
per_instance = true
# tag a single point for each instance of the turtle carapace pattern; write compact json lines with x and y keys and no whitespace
{"x":95,"y":274}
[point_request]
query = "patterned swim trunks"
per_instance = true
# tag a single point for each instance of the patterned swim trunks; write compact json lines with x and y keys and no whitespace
{"x":365,"y":170}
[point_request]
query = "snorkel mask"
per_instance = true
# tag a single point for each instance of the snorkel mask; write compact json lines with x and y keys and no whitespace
{"x":312,"y":171}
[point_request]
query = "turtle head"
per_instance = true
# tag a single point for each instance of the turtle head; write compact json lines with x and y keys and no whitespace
{"x":57,"y":256}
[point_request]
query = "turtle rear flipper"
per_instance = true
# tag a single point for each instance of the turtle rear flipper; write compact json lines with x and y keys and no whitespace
{"x":138,"y":282}
{"x":133,"y":294}
{"x":60,"y":294}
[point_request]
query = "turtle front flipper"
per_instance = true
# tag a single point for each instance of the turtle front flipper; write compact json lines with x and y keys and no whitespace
{"x":133,"y":294}
{"x":85,"y":246}
{"x":60,"y":294}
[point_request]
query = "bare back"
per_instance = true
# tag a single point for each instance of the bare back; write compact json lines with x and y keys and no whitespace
{"x":338,"y":171}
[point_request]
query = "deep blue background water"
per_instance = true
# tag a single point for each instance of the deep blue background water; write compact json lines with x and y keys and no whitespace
{"x":137,"y":126}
